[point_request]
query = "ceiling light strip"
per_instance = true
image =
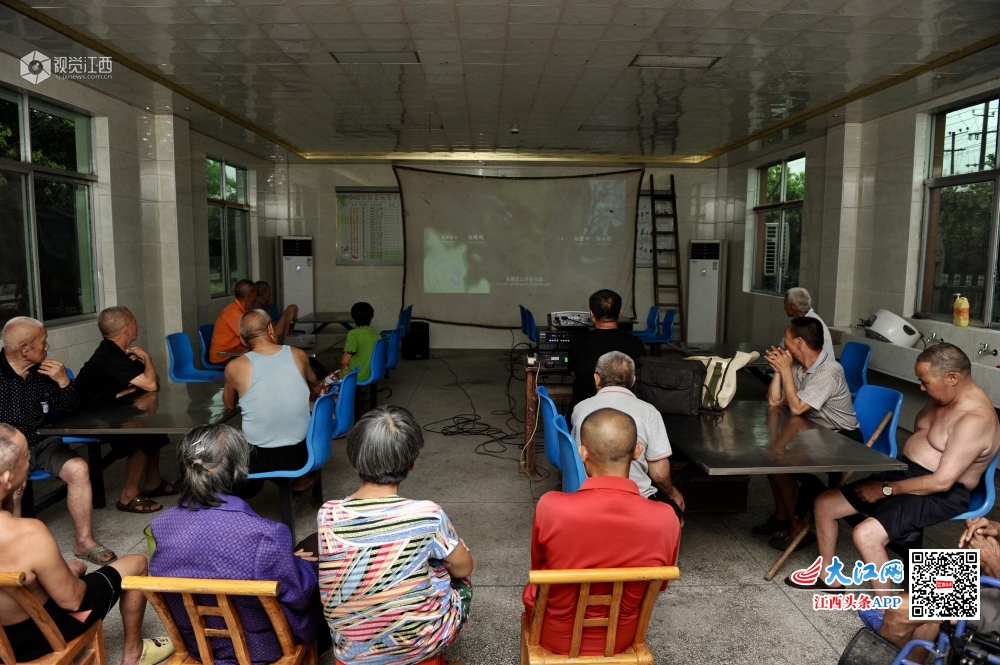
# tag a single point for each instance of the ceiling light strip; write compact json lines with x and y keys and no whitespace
{"x":501,"y":157}
{"x":142,"y":70}
{"x":862,"y":93}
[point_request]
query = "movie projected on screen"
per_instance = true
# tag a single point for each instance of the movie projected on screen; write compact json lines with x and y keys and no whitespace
{"x":477,"y":247}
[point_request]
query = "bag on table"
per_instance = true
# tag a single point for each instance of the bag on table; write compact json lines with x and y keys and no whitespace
{"x":671,"y":385}
{"x":720,"y":378}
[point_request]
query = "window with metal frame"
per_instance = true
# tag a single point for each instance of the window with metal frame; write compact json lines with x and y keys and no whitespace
{"x":228,"y":225}
{"x":778,"y":232}
{"x":961,"y":214}
{"x":47,"y":258}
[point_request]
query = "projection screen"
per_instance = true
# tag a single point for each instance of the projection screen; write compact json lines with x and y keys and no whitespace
{"x":477,"y":246}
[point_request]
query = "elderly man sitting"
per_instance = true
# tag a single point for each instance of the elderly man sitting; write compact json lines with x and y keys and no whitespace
{"x":798,"y":303}
{"x":283,"y":324}
{"x":614,"y":377}
{"x":954,"y":439}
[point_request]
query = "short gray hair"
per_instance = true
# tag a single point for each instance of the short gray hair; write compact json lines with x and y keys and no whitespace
{"x":20,"y":330}
{"x":799,"y":298}
{"x":384,"y":444}
{"x":213,"y":460}
{"x":944,"y":358}
{"x":113,"y":319}
{"x":615,"y":369}
{"x":9,"y":452}
{"x":254,"y":324}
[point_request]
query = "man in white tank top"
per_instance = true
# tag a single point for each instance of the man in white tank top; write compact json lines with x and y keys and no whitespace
{"x":272,"y":384}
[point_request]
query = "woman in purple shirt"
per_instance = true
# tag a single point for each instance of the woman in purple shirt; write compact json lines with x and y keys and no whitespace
{"x":212,"y":534}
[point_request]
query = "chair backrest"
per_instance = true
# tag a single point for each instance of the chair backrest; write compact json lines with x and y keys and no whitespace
{"x":524,"y":320}
{"x":573,"y":473}
{"x":854,"y":359}
{"x":205,"y":333}
{"x":617,"y":577}
{"x":549,"y":414}
{"x":666,"y":328}
{"x":409,"y":317}
{"x":344,"y":410}
{"x":272,"y":309}
{"x":379,"y":355}
{"x":984,"y":494}
{"x":532,"y":331}
{"x":392,"y":349}
{"x":653,"y":320}
{"x":319,"y":437}
{"x":181,"y":357}
{"x":871,"y":405}
{"x":12,"y":583}
{"x":192,"y":591}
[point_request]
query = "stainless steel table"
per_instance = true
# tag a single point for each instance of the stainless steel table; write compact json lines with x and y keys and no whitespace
{"x":313,"y":344}
{"x":174,"y":409}
{"x":322,"y":319}
{"x":752,"y":438}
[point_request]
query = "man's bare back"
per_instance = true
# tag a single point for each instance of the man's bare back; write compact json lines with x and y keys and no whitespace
{"x":27,"y":546}
{"x":963,"y":433}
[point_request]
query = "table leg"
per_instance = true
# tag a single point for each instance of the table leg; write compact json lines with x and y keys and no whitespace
{"x":530,"y":409}
{"x":318,"y":329}
{"x":347,"y":326}
{"x":96,"y":464}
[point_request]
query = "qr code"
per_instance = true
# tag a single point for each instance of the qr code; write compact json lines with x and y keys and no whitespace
{"x":944,"y":585}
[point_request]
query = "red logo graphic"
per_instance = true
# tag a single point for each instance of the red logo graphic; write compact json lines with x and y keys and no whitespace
{"x":944,"y":584}
{"x":808,"y":575}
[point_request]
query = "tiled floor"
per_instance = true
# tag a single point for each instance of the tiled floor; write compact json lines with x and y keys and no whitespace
{"x":720,"y":611}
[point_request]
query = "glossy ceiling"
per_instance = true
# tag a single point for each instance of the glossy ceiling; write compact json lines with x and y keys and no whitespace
{"x":548,"y":66}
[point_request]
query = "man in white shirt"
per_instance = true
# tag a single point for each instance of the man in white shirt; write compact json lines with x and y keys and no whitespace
{"x":614,"y":375}
{"x":799,"y":303}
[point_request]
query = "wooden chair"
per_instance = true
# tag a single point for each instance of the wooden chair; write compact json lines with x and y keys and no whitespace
{"x":189,"y":589}
{"x":85,"y":649}
{"x":532,"y":653}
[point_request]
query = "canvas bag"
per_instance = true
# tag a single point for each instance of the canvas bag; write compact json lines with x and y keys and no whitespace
{"x":672,"y":385}
{"x":720,"y":378}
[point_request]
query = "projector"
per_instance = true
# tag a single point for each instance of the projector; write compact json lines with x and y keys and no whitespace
{"x":570,"y":320}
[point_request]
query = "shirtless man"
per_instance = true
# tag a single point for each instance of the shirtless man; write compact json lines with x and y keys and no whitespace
{"x":74,"y":600}
{"x":956,"y":436}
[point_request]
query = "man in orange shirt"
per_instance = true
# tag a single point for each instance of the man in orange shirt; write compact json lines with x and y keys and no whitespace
{"x":226,"y":336}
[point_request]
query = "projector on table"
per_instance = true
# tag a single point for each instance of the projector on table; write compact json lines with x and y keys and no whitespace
{"x":570,"y":320}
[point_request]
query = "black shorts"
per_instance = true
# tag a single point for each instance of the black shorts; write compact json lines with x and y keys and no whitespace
{"x":904,"y":515}
{"x":663,"y":498}
{"x":124,"y":444}
{"x":104,"y":588}
{"x":282,"y":458}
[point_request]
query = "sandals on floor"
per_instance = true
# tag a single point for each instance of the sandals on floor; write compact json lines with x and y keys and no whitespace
{"x":94,"y":554}
{"x":161,"y":490}
{"x":156,"y":650}
{"x":141,"y":504}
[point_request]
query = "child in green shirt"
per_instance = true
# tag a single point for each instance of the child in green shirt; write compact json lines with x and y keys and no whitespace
{"x":360,"y":342}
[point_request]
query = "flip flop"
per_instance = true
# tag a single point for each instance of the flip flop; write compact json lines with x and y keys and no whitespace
{"x":156,"y":650}
{"x":161,"y":490}
{"x":94,"y":554}
{"x":140,"y":504}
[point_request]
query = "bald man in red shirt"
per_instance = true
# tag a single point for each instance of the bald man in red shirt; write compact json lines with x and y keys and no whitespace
{"x":633,"y":531}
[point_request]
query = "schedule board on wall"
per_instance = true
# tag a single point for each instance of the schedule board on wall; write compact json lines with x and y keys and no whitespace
{"x":369,"y":226}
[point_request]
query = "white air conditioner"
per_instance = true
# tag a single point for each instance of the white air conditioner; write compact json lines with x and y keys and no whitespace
{"x":706,"y":291}
{"x":294,"y":273}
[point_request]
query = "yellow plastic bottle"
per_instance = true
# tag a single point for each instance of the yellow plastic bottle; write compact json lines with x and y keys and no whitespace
{"x":960,"y":311}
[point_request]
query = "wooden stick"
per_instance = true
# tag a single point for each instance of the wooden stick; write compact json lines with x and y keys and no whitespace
{"x":809,"y":523}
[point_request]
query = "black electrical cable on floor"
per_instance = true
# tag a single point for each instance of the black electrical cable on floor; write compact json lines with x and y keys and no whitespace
{"x":472,"y":424}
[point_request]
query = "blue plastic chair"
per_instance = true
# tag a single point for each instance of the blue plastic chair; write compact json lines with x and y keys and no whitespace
{"x":524,"y":320}
{"x":409,"y":317}
{"x":532,"y":331}
{"x":205,"y":337}
{"x":319,"y":441}
{"x":392,"y":338}
{"x":573,"y":473}
{"x":666,"y":334}
{"x":983,"y":496}
{"x":549,"y":414}
{"x":377,"y":366}
{"x":272,"y":309}
{"x":344,"y":411}
{"x":854,"y":359}
{"x":182,"y":369}
{"x":871,"y":405}
{"x":652,"y":324}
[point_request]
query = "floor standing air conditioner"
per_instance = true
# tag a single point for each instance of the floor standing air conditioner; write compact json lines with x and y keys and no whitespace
{"x":706,"y":291}
{"x":294,"y":273}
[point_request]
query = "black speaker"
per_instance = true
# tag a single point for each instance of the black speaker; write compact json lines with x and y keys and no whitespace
{"x":417,"y":343}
